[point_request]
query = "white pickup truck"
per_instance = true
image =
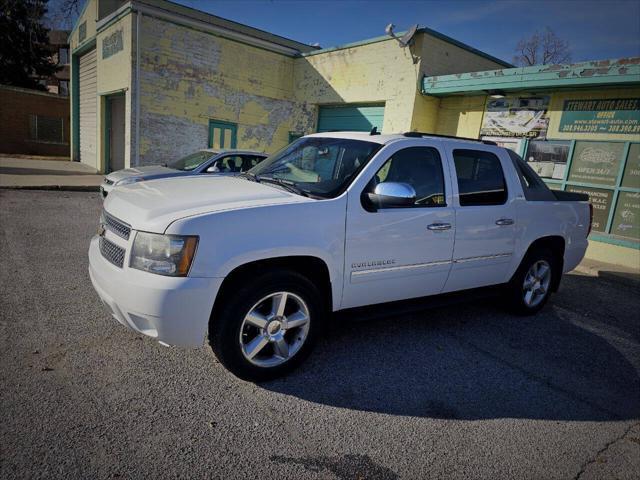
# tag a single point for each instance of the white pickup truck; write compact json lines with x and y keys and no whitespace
{"x":256,"y":264}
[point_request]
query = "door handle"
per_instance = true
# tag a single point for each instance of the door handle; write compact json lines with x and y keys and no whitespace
{"x":504,"y":221}
{"x":439,"y":226}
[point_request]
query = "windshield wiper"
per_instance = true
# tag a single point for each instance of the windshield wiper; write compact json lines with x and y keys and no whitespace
{"x":249,"y":176}
{"x":290,"y":186}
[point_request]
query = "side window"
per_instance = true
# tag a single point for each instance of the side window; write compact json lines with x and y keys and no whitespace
{"x":420,"y":167}
{"x":249,"y":161}
{"x":480,"y":178}
{"x":231,"y":164}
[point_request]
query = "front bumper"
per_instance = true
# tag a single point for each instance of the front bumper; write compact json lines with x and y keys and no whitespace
{"x":174,"y":311}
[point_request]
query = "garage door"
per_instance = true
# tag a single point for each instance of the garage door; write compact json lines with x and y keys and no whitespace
{"x":359,"y":118}
{"x":88,"y":109}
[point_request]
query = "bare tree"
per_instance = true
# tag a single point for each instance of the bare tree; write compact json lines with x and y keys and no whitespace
{"x":542,"y":49}
{"x":63,"y":13}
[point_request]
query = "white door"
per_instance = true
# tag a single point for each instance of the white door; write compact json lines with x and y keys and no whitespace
{"x":485,"y":219}
{"x":88,"y":109}
{"x":399,"y":253}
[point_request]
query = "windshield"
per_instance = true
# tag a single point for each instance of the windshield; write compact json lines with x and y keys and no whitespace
{"x":191,"y":162}
{"x":318,"y":166}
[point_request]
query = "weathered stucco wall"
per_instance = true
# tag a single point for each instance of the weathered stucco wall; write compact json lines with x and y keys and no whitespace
{"x":444,"y":58}
{"x":188,"y":77}
{"x":460,"y":115}
{"x":375,"y":72}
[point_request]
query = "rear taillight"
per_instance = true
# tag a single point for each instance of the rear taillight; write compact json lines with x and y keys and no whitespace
{"x":590,"y":218}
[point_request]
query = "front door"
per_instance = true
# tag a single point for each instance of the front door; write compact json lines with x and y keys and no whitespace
{"x":485,"y":220}
{"x":116,"y":124}
{"x":399,"y":253}
{"x":222,"y":134}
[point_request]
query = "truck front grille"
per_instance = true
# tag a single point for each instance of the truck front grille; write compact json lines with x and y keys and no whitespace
{"x":112,"y":252}
{"x":116,"y":226}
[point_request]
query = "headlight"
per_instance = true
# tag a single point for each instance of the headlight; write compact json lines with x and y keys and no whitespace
{"x":163,"y":254}
{"x":128,"y":180}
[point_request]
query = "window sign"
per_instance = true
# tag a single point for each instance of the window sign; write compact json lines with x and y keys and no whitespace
{"x":521,"y":117}
{"x":626,"y":220}
{"x":512,"y":144}
{"x":548,"y":159}
{"x":601,"y":201}
{"x":631,"y":178}
{"x":616,"y":115}
{"x":596,"y":162}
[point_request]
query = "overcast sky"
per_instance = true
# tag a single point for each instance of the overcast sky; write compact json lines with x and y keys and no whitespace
{"x":596,"y":29}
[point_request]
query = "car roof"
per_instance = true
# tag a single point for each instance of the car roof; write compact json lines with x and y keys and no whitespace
{"x":220,"y":151}
{"x":383,"y":139}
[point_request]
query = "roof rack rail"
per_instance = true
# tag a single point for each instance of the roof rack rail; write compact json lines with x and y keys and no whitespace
{"x":453,"y":137}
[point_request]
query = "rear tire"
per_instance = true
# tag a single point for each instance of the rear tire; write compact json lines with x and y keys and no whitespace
{"x":530,"y":288}
{"x":268,"y":326}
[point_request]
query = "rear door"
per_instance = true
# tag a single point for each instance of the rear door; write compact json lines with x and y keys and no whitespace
{"x":399,"y":253}
{"x":485,"y":217}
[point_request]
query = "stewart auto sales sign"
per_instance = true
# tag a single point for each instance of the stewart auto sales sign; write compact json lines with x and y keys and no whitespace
{"x":518,"y":117}
{"x":610,"y":116}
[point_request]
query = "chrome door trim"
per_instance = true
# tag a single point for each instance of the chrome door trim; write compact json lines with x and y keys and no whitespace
{"x":483,"y":257}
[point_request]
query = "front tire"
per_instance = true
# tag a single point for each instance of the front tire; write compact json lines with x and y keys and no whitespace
{"x":530,"y":288}
{"x":268,"y":326}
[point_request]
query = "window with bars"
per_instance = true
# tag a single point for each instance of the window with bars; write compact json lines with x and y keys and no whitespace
{"x":46,"y":129}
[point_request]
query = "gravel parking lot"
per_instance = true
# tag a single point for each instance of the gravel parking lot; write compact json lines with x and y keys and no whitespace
{"x":465,"y":391}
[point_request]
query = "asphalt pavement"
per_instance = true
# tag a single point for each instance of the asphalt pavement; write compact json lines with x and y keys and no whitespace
{"x":464,"y":391}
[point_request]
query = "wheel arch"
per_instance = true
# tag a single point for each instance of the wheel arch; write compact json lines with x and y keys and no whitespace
{"x":314,"y":268}
{"x":556,"y":244}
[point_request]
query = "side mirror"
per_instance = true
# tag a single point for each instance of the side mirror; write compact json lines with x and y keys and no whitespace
{"x":392,"y":195}
{"x":213,"y":169}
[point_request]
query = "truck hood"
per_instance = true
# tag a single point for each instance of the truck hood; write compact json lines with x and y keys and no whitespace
{"x":152,"y":206}
{"x":147,"y":173}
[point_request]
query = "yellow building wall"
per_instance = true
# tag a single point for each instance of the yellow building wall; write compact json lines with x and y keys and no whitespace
{"x":378,"y":72}
{"x":115,"y":76}
{"x":461,"y":116}
{"x":89,"y":17}
{"x":188,"y":77}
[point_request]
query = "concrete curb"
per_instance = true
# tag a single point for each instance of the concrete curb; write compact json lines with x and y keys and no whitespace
{"x":67,"y":188}
{"x":615,"y":276}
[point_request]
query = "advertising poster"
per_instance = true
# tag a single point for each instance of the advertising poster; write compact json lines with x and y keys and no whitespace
{"x":631,"y":177}
{"x":519,"y":117}
{"x":596,"y":162}
{"x":601,"y":201}
{"x":626,"y":220}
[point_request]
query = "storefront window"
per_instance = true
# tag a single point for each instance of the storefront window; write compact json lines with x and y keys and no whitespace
{"x":601,"y":201}
{"x":626,"y":219}
{"x":596,"y":162}
{"x":631,"y":178}
{"x":548,"y":159}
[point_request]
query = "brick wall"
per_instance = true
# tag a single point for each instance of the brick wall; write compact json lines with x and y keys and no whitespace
{"x":17,"y":129}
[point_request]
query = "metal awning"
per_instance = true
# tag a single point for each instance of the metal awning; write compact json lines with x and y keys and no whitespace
{"x":619,"y":72}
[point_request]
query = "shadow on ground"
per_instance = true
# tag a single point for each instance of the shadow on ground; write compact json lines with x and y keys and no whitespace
{"x":572,"y":361}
